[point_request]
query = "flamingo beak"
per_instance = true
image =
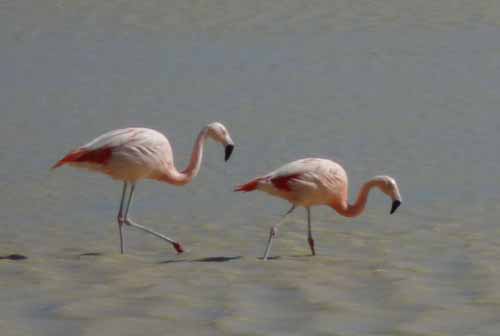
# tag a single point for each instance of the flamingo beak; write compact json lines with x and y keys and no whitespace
{"x":228,"y":150}
{"x":395,"y":205}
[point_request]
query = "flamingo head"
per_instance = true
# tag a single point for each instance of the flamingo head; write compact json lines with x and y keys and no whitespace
{"x":389,"y":186}
{"x":218,"y":132}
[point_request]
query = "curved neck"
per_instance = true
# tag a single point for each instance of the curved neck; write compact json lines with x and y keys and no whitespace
{"x":173,"y":176}
{"x":353,"y":210}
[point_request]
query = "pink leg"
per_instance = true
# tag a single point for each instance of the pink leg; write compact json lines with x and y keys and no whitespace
{"x":120,"y":217}
{"x":177,"y":246}
{"x":274,"y":232}
{"x":310,"y":239}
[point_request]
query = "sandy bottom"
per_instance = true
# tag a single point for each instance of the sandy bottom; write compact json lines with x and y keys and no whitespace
{"x":436,"y":280}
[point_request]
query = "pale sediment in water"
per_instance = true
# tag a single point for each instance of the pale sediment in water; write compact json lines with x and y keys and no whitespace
{"x":362,"y":281}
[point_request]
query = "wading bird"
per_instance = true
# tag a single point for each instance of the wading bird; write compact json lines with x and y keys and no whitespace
{"x":134,"y":154}
{"x":313,"y":181}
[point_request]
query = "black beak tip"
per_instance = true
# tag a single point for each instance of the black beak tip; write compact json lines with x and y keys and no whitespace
{"x":228,"y":151}
{"x":395,"y":205}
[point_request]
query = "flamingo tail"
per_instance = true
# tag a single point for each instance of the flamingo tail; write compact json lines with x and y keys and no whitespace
{"x":98,"y":156}
{"x":252,"y":185}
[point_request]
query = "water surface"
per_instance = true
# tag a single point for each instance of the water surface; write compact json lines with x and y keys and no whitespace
{"x":403,"y":88}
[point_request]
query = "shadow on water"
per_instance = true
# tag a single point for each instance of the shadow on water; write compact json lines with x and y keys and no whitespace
{"x":217,"y":259}
{"x":308,"y":255}
{"x":269,"y":258}
{"x":90,"y":254}
{"x":14,"y":257}
{"x":208,"y":259}
{"x":225,"y":259}
{"x":293,"y":256}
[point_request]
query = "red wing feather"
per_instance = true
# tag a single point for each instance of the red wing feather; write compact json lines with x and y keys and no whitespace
{"x":98,"y":156}
{"x":282,"y":182}
{"x":252,"y":185}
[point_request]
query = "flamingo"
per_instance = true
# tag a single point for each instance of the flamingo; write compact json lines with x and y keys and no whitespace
{"x":134,"y":154}
{"x":315,"y":181}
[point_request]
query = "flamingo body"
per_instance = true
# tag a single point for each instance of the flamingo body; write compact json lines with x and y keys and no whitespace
{"x":134,"y":154}
{"x":129,"y":154}
{"x":306,"y":182}
{"x":315,"y":181}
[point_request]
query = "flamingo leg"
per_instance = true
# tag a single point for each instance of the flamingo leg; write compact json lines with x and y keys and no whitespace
{"x":128,"y":221}
{"x":289,"y":211}
{"x":129,"y":201}
{"x":274,"y":232}
{"x":310,"y":239}
{"x":120,"y":217}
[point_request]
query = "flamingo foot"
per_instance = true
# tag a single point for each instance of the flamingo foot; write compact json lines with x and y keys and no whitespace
{"x":178,"y":247}
{"x":311,"y":245}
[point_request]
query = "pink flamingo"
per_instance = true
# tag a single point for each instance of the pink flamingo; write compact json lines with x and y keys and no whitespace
{"x":314,"y":181}
{"x":134,"y":154}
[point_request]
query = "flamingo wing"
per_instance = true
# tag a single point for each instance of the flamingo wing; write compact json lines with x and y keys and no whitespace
{"x":285,"y":182}
{"x":294,"y":174}
{"x":98,"y":156}
{"x":138,"y":145}
{"x":304,"y":182}
{"x":133,"y":136}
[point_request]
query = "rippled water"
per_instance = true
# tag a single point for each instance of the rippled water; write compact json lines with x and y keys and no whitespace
{"x":409,"y":89}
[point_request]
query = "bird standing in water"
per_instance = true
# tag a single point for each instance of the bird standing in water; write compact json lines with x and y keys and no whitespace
{"x":134,"y":154}
{"x":314,"y":181}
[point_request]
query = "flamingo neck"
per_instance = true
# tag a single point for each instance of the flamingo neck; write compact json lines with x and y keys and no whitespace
{"x":173,"y":176}
{"x":353,"y":210}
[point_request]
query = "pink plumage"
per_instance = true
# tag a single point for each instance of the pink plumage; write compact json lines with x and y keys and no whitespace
{"x":99,"y":156}
{"x":314,"y":181}
{"x":249,"y":186}
{"x":134,"y":154}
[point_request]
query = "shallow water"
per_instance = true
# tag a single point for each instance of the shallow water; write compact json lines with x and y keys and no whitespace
{"x":406,"y":88}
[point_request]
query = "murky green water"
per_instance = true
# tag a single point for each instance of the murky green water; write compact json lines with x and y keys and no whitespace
{"x":406,"y":88}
